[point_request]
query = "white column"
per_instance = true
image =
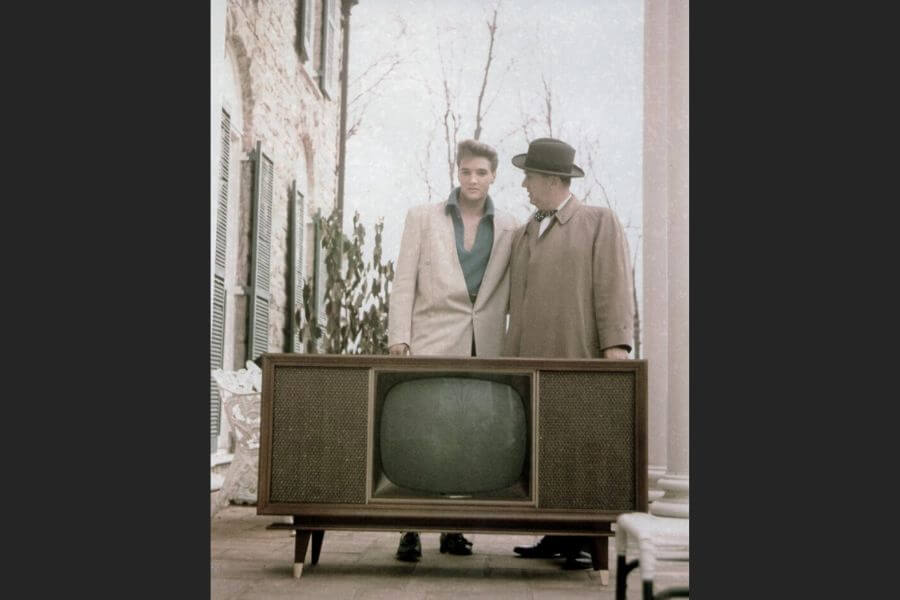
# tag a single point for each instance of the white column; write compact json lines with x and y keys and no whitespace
{"x":655,"y":318}
{"x":676,"y":482}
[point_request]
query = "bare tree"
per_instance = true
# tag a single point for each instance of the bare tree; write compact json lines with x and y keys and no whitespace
{"x":492,"y":30}
{"x":451,"y":127}
{"x":529,"y":125}
{"x":451,"y":118}
{"x":365,"y":85}
{"x":361,"y":101}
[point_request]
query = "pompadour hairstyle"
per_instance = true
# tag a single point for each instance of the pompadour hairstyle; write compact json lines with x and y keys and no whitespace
{"x":476,"y":148}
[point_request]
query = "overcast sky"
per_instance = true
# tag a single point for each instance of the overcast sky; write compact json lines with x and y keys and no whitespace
{"x":590,"y":52}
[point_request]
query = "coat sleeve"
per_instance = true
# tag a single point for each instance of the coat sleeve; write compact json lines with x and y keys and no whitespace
{"x":516,"y":232}
{"x":403,"y":293}
{"x":612,"y":282}
{"x":516,"y":266}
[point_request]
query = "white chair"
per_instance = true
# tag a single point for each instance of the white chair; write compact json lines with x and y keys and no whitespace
{"x":653,"y":539}
{"x":240,"y":393}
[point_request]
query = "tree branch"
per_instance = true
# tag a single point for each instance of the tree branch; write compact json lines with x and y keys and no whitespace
{"x":548,"y":105}
{"x":509,"y":67}
{"x":424,"y":167}
{"x":395,"y":62}
{"x":593,"y":171}
{"x":368,"y":93}
{"x":492,"y":28}
{"x":450,"y":134}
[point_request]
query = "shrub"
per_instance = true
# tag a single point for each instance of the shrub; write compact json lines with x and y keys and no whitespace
{"x":356,"y":293}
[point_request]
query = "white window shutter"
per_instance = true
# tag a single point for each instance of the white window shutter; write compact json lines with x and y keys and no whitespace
{"x":217,"y":330}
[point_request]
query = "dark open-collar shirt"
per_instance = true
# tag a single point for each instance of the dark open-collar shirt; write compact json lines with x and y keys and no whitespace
{"x":474,"y":261}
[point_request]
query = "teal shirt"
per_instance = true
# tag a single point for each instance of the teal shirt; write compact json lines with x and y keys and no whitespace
{"x":473,"y":262}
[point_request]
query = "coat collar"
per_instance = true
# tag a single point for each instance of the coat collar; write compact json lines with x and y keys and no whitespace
{"x":568,"y":210}
{"x":453,"y":200}
{"x":563,"y":216}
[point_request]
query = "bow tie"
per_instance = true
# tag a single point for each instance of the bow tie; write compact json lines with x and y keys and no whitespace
{"x":543,"y":214}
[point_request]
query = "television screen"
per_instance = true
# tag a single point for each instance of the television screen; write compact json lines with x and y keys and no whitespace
{"x":453,"y":436}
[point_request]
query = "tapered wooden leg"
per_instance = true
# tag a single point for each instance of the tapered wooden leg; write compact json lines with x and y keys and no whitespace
{"x":301,"y":543}
{"x":317,"y":536}
{"x":600,"y":557}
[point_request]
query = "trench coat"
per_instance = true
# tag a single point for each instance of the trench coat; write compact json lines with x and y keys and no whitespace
{"x":570,"y":289}
{"x":430,"y":309}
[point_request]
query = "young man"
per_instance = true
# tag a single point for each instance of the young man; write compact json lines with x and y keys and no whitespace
{"x":451,"y":287}
{"x":570,"y":283}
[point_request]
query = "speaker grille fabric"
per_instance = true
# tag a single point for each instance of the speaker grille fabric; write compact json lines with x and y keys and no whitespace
{"x":586,"y":440}
{"x":319,"y":435}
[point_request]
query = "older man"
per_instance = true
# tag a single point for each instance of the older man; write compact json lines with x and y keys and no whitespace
{"x":451,"y":289}
{"x":570,"y":283}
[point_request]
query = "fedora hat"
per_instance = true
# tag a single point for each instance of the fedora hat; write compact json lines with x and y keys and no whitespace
{"x":550,"y":157}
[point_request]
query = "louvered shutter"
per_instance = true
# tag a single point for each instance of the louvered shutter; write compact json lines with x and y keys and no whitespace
{"x":329,"y":33}
{"x":258,"y":315}
{"x":298,"y":264}
{"x":217,"y":330}
{"x":305,"y":31}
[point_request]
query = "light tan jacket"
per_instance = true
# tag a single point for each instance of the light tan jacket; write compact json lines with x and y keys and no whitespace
{"x":570,"y":289}
{"x":430,"y":308}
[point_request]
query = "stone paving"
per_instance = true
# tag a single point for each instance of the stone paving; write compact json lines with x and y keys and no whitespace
{"x":248,"y":561}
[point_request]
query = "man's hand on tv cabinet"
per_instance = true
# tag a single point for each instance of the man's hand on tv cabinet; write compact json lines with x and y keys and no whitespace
{"x":400,"y":349}
{"x":616,"y":353}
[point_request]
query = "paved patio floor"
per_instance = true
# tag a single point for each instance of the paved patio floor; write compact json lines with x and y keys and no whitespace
{"x":249,"y":561}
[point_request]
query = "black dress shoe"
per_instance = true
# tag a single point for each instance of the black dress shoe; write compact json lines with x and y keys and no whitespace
{"x":455,"y":543}
{"x":548,"y":547}
{"x":410,"y":548}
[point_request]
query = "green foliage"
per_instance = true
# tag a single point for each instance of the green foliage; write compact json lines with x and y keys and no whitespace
{"x":356,"y":293}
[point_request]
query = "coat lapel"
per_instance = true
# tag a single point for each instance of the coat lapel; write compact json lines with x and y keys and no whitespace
{"x":448,"y":248}
{"x":492,"y":271}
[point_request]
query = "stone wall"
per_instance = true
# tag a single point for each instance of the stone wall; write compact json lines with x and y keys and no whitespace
{"x":284,"y":108}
